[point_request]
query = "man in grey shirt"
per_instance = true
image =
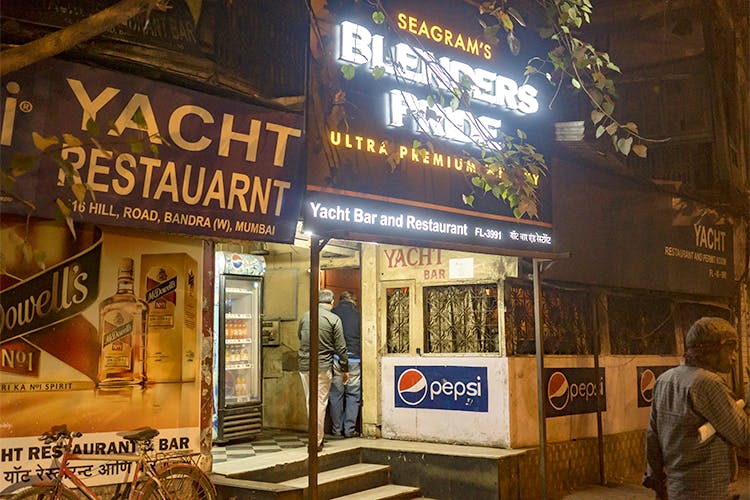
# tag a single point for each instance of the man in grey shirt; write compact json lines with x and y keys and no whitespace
{"x":330,"y":341}
{"x":680,"y":464}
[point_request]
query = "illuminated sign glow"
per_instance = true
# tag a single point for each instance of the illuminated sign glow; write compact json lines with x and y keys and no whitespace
{"x":438,"y":34}
{"x":329,"y":212}
{"x":357,"y":45}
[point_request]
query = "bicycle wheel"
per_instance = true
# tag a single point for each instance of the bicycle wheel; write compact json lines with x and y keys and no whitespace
{"x":43,"y":493}
{"x":181,"y":482}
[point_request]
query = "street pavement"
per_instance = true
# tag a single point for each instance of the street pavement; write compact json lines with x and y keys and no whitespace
{"x":628,"y":491}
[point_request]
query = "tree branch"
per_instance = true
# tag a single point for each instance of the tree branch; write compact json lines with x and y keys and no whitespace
{"x":67,"y":38}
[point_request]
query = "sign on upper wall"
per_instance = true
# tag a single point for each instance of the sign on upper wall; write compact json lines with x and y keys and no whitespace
{"x":675,"y":244}
{"x":209,"y":167}
{"x":388,"y":158}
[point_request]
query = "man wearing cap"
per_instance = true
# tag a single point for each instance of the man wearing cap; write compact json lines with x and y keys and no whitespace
{"x":680,"y":465}
{"x":330,"y":341}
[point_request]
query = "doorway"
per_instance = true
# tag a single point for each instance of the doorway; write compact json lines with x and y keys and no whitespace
{"x":340,"y":280}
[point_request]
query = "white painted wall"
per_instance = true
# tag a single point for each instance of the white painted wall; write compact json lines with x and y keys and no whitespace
{"x":489,"y":428}
{"x":511,"y":420}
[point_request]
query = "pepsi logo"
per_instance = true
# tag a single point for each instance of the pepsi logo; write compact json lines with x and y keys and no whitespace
{"x":648,"y":381}
{"x":236,"y":261}
{"x":558,"y":392}
{"x":412,"y":387}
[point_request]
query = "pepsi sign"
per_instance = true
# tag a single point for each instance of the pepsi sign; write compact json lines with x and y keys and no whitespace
{"x":461,"y":388}
{"x":571,"y":391}
{"x":647,"y":376}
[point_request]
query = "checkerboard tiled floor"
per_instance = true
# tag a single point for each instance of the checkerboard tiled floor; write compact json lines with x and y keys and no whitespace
{"x":268,"y":441}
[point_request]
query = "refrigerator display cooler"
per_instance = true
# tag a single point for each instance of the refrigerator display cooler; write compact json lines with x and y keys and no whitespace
{"x":237,"y":347}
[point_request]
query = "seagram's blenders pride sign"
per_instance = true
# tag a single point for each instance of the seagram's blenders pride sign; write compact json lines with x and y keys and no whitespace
{"x":358,"y":46}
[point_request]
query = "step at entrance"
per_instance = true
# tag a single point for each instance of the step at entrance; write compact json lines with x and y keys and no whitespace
{"x":345,"y":480}
{"x":392,"y":491}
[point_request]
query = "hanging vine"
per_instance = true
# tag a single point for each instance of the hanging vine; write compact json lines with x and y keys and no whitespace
{"x":511,"y":166}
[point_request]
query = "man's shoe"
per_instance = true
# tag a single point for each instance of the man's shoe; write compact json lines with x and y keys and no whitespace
{"x":320,"y":446}
{"x":352,"y":435}
{"x":335,"y":437}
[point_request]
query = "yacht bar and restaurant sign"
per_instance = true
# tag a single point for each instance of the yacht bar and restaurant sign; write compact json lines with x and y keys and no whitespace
{"x":390,"y":160}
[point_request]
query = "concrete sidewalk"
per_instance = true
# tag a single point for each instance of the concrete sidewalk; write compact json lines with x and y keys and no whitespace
{"x":629,"y":491}
{"x":612,"y":492}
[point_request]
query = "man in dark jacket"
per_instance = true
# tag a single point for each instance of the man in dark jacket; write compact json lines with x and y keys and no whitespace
{"x":345,"y":396}
{"x":331,"y":341}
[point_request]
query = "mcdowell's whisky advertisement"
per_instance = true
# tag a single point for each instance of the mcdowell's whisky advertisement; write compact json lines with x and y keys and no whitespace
{"x":98,"y":331}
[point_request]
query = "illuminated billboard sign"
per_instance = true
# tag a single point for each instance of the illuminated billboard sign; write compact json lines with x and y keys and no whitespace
{"x":384,"y":141}
{"x":357,"y":45}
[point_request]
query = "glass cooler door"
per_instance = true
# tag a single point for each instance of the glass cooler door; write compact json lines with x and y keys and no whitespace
{"x":242,"y":384}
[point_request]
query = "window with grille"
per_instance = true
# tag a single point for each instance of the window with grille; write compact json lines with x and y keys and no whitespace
{"x":397,"y":320}
{"x":640,"y":325}
{"x":567,"y":320}
{"x":461,"y":318}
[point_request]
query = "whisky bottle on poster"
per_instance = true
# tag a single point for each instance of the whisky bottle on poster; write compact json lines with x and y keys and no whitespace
{"x":122,"y":333}
{"x":168,"y":286}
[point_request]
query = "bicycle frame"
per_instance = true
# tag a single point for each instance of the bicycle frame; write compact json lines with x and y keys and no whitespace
{"x":142,"y":466}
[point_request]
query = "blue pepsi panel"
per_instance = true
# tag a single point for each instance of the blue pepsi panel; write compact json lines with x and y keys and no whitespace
{"x":461,"y":388}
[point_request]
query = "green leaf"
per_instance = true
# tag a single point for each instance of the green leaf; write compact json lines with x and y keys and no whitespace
{"x":469,"y":200}
{"x":64,"y":209}
{"x":507,"y":22}
{"x":79,"y":191}
{"x":640,"y":150}
{"x":348,"y":71}
{"x":21,"y":163}
{"x":139,"y":119}
{"x":42,"y":143}
{"x":71,"y":140}
{"x":521,"y":134}
{"x":575,"y":83}
{"x":478,"y":181}
{"x":455,"y":103}
{"x":546,"y":32}
{"x":378,"y":72}
{"x":514,"y":44}
{"x":490,"y":33}
{"x":136,"y":147}
{"x":154,"y":150}
{"x":612,"y":128}
{"x":596,"y":116}
{"x":91,"y":127}
{"x":378,"y":17}
{"x":613,"y":67}
{"x":624,"y":145}
{"x":632,"y":127}
{"x":519,"y":19}
{"x":599,"y":131}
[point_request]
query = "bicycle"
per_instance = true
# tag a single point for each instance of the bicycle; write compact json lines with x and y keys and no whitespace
{"x":163,"y":477}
